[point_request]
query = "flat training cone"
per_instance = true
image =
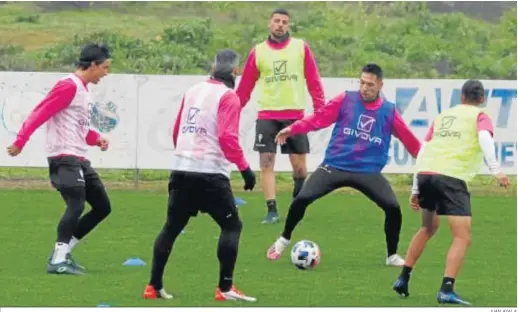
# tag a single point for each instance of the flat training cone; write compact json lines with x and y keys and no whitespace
{"x":239,"y":201}
{"x":134,"y":262}
{"x":103,"y":305}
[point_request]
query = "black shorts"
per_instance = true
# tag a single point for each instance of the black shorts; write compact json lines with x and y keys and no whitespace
{"x":445,"y":195}
{"x":192,"y":192}
{"x":71,"y":171}
{"x":265,"y":132}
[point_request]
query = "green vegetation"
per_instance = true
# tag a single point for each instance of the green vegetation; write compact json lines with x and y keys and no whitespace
{"x":407,"y":39}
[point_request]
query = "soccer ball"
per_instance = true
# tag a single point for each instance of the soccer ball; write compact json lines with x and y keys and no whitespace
{"x":305,"y":255}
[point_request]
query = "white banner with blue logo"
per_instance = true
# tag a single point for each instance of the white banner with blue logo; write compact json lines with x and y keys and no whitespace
{"x":137,"y":112}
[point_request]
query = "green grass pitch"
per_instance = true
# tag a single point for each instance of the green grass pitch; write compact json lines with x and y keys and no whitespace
{"x":348,"y":228}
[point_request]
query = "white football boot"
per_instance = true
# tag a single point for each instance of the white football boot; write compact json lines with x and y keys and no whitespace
{"x":395,"y":260}
{"x":275,"y":251}
{"x":233,"y":295}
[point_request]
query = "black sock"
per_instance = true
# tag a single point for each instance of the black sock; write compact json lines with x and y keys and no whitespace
{"x":295,"y":214}
{"x":405,"y":273}
{"x":447,"y":284}
{"x":75,"y":205}
{"x":161,"y":251}
{"x":89,"y":221}
{"x":272,"y":205}
{"x":227,"y":254}
{"x":101,"y":208}
{"x":297,"y":185}
{"x":393,"y":220}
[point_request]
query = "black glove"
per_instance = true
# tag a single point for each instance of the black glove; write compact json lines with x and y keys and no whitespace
{"x":249,"y":177}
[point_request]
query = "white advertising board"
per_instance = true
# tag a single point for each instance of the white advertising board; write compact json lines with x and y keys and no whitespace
{"x":142,"y":110}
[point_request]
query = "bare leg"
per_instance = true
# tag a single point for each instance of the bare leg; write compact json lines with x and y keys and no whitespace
{"x":416,"y":248}
{"x":460,"y":227}
{"x":429,"y":227}
{"x":300,"y":172}
{"x":267,"y":163}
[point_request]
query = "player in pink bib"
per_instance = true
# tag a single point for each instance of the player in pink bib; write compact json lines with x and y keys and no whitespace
{"x":66,"y":111}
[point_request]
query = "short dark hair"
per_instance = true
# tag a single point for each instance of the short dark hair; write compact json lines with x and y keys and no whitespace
{"x":225,"y":61}
{"x":280,"y":11}
{"x":374,"y":69}
{"x":93,"y":52}
{"x":473,"y":91}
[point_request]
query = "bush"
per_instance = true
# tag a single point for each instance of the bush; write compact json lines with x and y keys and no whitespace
{"x":406,"y":39}
{"x":11,"y":59}
{"x":161,"y":55}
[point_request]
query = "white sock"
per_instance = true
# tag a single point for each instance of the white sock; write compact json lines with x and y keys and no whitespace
{"x":72,"y":243}
{"x":60,"y":253}
{"x":283,"y":241}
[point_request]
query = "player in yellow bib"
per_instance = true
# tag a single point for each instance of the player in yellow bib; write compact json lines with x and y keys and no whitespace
{"x":282,"y":67}
{"x":450,"y":157}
